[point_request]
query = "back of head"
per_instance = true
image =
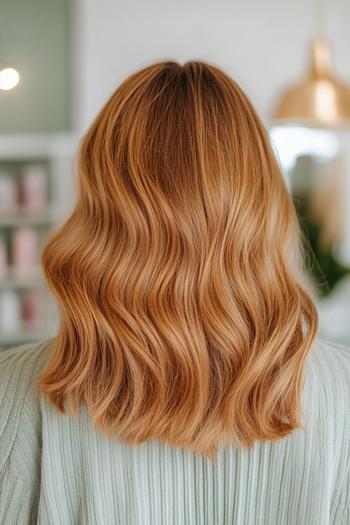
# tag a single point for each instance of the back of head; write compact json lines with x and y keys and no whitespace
{"x":183,"y":317}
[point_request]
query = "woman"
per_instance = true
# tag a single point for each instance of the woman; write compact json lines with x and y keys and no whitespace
{"x":186,"y":384}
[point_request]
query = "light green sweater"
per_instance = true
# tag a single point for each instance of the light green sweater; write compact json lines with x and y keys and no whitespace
{"x":57,"y":470}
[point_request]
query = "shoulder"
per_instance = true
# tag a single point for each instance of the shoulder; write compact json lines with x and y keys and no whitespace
{"x":329,"y":365}
{"x":19,"y":407}
{"x":327,"y":380}
{"x":327,"y":409}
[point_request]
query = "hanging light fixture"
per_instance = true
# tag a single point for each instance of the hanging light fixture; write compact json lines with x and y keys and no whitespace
{"x":9,"y":78}
{"x":320,"y":100}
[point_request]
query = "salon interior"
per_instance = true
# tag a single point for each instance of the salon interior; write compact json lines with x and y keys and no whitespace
{"x":61,"y":59}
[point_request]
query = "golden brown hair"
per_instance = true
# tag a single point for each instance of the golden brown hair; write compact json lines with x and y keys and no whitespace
{"x":183,"y":316}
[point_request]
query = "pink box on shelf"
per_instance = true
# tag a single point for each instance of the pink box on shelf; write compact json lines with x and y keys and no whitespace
{"x":25,"y":252}
{"x":32,"y":309}
{"x":8,"y":194}
{"x":34,"y":194}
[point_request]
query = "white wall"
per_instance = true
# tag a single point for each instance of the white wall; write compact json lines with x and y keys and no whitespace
{"x":262,"y":44}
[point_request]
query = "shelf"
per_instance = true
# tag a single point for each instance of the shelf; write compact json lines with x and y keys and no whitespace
{"x":57,"y":152}
{"x":25,"y":219}
{"x":30,"y":146}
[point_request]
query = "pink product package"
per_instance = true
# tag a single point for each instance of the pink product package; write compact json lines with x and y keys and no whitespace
{"x":34,"y":188}
{"x":32,"y":309}
{"x":8,"y":193}
{"x":25,"y":250}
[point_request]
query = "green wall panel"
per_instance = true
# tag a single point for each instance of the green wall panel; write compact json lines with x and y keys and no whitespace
{"x":34,"y":39}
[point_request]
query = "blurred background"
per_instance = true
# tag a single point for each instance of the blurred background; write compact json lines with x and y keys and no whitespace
{"x":59,"y":62}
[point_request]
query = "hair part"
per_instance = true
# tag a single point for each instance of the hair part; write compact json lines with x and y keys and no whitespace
{"x":178,"y":273}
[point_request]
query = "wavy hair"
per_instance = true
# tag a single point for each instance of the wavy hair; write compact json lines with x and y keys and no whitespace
{"x":178,"y":275}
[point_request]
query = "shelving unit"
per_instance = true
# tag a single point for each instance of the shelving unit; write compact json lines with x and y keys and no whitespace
{"x":56,"y":153}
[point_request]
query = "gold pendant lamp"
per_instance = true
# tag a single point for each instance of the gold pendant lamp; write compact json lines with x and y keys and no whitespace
{"x":320,"y":99}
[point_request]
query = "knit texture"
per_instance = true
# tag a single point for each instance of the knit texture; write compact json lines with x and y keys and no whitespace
{"x":59,"y":470}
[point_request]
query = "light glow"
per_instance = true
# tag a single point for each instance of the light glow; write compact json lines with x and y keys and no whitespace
{"x":9,"y":78}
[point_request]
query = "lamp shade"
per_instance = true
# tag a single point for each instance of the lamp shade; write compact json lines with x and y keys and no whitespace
{"x":320,"y":100}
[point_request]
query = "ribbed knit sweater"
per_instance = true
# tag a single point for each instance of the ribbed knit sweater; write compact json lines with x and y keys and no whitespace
{"x":58,"y":470}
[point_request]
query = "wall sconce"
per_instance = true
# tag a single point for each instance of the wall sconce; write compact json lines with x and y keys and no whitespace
{"x":9,"y":78}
